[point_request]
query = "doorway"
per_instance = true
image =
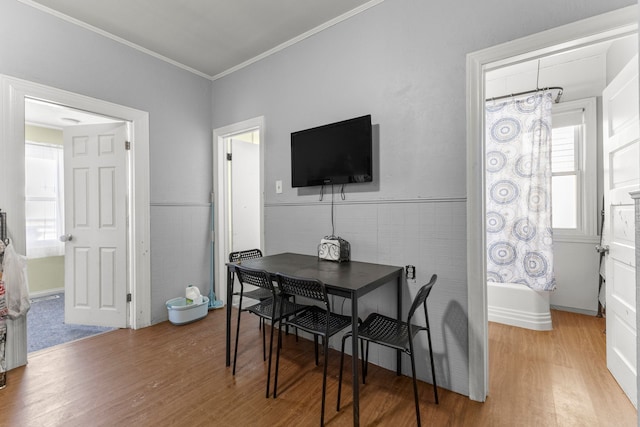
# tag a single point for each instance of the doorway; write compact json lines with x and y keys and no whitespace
{"x":14,"y":93}
{"x":609,"y":26}
{"x":48,"y":322}
{"x":237,"y":208}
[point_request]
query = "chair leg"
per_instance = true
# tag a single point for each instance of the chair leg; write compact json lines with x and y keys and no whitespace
{"x":315,"y":342}
{"x":264,"y":350}
{"x":324,"y":378}
{"x":433,"y":371}
{"x":415,"y":387}
{"x":415,"y":382}
{"x":365,"y":362}
{"x":235,"y":354}
{"x":362,"y":367}
{"x":270,"y":357}
{"x":275,"y":378}
{"x":344,"y":338}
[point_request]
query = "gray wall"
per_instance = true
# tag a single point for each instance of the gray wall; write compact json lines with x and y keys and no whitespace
{"x":40,"y":48}
{"x":403,"y":62}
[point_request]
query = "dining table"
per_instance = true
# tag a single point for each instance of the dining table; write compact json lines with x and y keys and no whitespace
{"x":347,"y":279}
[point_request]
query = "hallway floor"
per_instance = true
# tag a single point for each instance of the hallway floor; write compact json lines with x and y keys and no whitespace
{"x":46,"y":327}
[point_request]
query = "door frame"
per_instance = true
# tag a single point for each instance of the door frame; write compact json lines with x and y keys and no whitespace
{"x":219,"y":198}
{"x":13,"y":93}
{"x":603,"y":27}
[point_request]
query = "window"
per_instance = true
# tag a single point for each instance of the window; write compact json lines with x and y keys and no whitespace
{"x":573,"y":166}
{"x":44,"y":206}
{"x":565,"y":171}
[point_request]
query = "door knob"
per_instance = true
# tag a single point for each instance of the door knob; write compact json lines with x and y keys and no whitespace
{"x":602,"y":249}
{"x":66,"y":238}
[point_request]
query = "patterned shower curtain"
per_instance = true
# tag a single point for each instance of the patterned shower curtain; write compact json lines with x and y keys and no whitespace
{"x":518,"y":200}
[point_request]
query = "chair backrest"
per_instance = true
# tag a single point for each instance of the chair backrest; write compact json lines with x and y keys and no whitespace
{"x":247,"y":254}
{"x":252,"y":276}
{"x":299,"y":286}
{"x":421,"y":298}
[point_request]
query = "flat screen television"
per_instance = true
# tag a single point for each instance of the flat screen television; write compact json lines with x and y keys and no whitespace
{"x":337,"y":153}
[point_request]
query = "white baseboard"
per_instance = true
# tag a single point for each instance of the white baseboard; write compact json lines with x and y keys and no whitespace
{"x":46,"y":293}
{"x":574,"y":310}
{"x":519,"y":318}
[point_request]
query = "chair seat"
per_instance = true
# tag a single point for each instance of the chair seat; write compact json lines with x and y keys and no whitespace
{"x":387,"y":331}
{"x":257,"y":294}
{"x":265,"y":308}
{"x":314,"y":320}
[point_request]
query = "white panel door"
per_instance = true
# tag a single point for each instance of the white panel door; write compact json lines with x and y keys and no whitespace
{"x":621,"y":165}
{"x":96,"y":225}
{"x":245,"y":195}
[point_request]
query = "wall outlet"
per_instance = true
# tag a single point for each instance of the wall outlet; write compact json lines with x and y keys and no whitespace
{"x":278,"y":187}
{"x":410,"y":271}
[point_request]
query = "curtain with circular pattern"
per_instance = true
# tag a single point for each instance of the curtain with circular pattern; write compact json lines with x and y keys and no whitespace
{"x":518,"y":198}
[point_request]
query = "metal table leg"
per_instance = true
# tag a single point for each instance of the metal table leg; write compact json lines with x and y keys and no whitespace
{"x":399,"y":317}
{"x":228,"y":337}
{"x":354,"y":360}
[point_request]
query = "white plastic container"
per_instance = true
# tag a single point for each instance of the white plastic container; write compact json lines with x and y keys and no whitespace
{"x":193,"y":296}
{"x":181,"y":313}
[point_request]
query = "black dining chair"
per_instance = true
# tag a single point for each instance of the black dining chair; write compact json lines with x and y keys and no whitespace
{"x":399,"y":335}
{"x":272,"y":309}
{"x":239,"y":256}
{"x":316,"y":319}
{"x":257,"y":294}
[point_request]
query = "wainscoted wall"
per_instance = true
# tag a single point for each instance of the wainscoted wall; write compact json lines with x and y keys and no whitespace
{"x":16,"y":342}
{"x":181,"y":252}
{"x":430,"y":234}
{"x":576,"y":269}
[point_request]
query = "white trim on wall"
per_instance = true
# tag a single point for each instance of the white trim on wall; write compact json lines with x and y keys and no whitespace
{"x":220,"y":210}
{"x":607,"y":26}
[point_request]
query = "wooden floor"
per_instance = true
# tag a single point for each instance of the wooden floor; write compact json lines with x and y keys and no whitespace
{"x":168,"y":375}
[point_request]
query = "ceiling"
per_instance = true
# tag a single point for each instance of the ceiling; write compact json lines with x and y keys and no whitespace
{"x":208,"y":37}
{"x":580,"y":72}
{"x":46,"y":114}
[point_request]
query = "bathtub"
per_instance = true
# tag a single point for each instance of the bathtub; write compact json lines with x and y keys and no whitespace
{"x":518,"y":305}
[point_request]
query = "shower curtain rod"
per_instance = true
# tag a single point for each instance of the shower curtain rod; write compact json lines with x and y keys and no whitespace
{"x":526,"y":92}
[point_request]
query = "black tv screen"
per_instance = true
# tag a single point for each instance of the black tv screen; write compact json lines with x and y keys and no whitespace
{"x":337,"y":153}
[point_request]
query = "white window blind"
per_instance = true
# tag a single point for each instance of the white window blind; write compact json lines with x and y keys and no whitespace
{"x":44,"y":199}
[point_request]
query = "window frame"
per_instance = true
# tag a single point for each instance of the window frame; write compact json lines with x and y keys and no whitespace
{"x":587,"y":173}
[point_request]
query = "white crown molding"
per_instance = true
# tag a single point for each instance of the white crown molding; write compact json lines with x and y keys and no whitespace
{"x":257,"y":58}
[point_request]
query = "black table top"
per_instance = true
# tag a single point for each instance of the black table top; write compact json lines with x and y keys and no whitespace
{"x":352,"y":278}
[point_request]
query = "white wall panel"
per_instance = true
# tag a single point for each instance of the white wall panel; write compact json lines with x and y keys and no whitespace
{"x":429,"y":234}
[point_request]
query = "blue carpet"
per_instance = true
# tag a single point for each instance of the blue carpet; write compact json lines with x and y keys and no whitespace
{"x":46,"y":327}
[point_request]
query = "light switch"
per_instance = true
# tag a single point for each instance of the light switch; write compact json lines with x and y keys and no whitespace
{"x":278,"y":187}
